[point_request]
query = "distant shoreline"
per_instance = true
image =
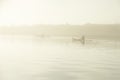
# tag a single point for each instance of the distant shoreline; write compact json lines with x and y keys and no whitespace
{"x":90,"y":31}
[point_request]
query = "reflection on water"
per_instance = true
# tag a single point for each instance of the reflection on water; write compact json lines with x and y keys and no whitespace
{"x":30,"y":58}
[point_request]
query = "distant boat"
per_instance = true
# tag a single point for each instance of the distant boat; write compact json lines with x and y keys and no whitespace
{"x":77,"y":39}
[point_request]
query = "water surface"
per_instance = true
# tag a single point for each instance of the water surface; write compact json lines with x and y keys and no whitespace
{"x":33,"y":58}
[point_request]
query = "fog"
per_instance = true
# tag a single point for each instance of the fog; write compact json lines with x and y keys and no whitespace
{"x":59,"y":40}
{"x":16,"y":12}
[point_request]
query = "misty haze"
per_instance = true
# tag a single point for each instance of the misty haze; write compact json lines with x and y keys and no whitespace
{"x":59,"y":40}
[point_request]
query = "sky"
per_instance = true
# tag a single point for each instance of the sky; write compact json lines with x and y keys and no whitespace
{"x":17,"y":12}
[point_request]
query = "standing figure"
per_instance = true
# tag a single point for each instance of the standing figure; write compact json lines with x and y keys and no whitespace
{"x":83,"y":40}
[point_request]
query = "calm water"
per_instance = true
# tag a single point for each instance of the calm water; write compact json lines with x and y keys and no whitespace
{"x":30,"y":58}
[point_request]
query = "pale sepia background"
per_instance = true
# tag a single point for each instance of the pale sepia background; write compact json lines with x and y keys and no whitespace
{"x":59,"y":40}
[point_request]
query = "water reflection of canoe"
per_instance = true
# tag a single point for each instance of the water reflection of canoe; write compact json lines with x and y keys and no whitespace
{"x":41,"y":36}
